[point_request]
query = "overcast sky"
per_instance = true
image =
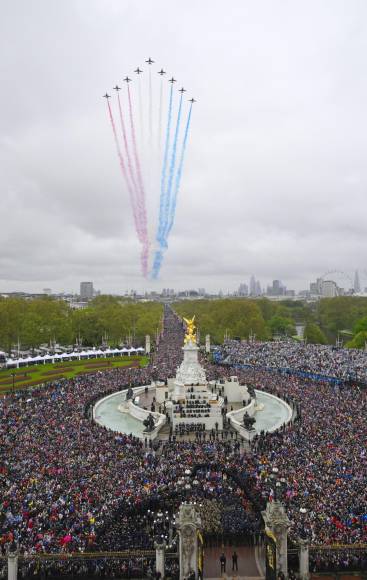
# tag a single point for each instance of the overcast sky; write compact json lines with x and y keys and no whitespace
{"x":275,"y":175}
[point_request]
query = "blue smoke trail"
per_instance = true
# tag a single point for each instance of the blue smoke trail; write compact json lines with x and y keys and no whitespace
{"x":168,"y":200}
{"x":162,"y":200}
{"x":158,"y":259}
{"x":179,"y":175}
{"x":159,"y":253}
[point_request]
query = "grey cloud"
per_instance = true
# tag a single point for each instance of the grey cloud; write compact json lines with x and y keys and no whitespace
{"x":274,"y":181}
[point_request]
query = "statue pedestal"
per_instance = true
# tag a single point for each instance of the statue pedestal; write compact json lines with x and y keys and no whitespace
{"x":12,"y":565}
{"x":188,"y":525}
{"x":277,"y":522}
{"x":190,"y":371}
{"x":193,"y":403}
{"x":304,"y":570}
{"x":160,"y":557}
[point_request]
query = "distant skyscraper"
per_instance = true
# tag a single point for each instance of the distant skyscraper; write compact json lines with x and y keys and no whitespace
{"x":316,"y":287}
{"x":86,"y":290}
{"x":329,"y":289}
{"x":243,"y":290}
{"x":357,"y":284}
{"x":258,"y":290}
{"x":252,"y":286}
{"x":279,"y":288}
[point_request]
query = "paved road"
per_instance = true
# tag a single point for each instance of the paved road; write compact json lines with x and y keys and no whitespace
{"x":247,"y":564}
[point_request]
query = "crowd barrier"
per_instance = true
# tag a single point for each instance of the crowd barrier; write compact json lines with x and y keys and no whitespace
{"x":84,"y":565}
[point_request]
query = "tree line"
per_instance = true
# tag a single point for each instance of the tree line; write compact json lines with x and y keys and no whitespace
{"x":45,"y":320}
{"x":324,"y":321}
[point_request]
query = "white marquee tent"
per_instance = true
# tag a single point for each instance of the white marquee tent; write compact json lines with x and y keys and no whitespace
{"x":65,"y":356}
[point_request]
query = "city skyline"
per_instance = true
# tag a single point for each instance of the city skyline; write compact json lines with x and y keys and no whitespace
{"x":251,"y":287}
{"x":275,"y":175}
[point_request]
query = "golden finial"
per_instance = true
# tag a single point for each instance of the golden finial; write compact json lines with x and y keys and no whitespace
{"x":190,"y":335}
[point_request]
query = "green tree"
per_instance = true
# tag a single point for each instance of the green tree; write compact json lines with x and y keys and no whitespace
{"x":12,"y":312}
{"x":87,"y":326}
{"x":313,"y":334}
{"x":340,"y":313}
{"x":282,"y":325}
{"x":31,"y":334}
{"x":234,"y":316}
{"x":360,"y":326}
{"x":359,"y":340}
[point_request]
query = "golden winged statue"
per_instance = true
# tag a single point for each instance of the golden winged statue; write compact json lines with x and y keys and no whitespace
{"x":190,"y":330}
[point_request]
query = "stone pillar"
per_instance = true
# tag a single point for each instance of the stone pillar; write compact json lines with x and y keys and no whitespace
{"x":207,"y":344}
{"x":304,"y":565}
{"x":276,"y":520}
{"x":160,"y":556}
{"x":12,"y":565}
{"x":147,"y":344}
{"x":188,"y":525}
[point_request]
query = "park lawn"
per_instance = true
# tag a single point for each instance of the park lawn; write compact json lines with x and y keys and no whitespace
{"x":38,"y":374}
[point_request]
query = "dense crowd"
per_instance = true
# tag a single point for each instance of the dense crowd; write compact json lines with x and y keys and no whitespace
{"x":69,"y":485}
{"x":168,"y":356}
{"x":340,"y":363}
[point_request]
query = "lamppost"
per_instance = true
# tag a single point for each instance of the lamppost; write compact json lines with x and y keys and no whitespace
{"x":339,"y":341}
{"x":274,"y":482}
{"x":160,"y":529}
{"x":13,"y":376}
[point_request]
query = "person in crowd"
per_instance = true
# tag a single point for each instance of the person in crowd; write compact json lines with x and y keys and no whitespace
{"x":222,"y":561}
{"x":235,"y":561}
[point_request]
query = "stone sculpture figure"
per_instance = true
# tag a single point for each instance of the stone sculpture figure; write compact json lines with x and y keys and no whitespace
{"x":251,"y":392}
{"x":149,"y":423}
{"x":248,"y":422}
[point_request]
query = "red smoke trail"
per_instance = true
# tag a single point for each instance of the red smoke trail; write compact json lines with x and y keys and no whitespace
{"x":131,"y":192}
{"x":144,"y":257}
{"x":141,"y":190}
{"x":126,"y":145}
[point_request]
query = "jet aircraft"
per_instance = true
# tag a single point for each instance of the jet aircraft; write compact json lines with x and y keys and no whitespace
{"x":106,"y":96}
{"x":117,"y":88}
{"x":172,"y":80}
{"x":149,"y":61}
{"x":182,"y":90}
{"x":138,"y":71}
{"x":127,"y":80}
{"x":161,"y":72}
{"x":192,"y":100}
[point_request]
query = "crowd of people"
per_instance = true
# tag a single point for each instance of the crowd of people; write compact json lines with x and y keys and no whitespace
{"x":69,"y":485}
{"x":340,"y":363}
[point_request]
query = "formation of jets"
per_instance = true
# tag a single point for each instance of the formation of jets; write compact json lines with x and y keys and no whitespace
{"x":139,"y":71}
